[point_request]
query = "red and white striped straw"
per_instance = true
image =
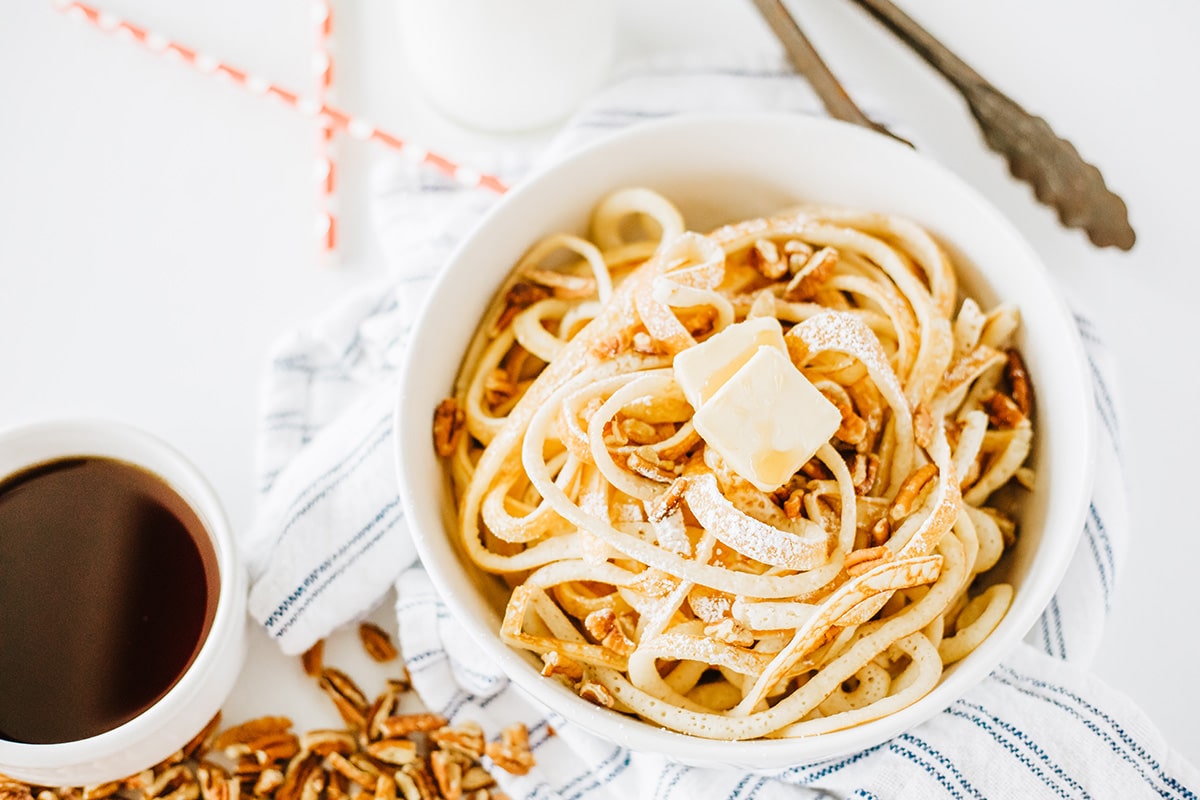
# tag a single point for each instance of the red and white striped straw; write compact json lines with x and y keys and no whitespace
{"x":326,"y":174}
{"x":357,"y":127}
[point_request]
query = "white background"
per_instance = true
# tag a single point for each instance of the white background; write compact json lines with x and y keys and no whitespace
{"x":156,"y":234}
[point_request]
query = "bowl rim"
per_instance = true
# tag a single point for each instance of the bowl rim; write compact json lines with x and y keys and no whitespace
{"x":1054,"y":552}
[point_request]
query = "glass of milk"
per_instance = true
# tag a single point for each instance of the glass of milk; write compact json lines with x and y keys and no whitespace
{"x":507,"y":65}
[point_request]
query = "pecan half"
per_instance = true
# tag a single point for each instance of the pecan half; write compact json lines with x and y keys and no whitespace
{"x":645,"y":461}
{"x":447,"y":771}
{"x":393,"y":751}
{"x":251,"y":730}
{"x":376,"y":642}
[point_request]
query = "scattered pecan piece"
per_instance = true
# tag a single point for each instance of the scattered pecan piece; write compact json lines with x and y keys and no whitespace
{"x":512,"y":753}
{"x":393,"y":751}
{"x":466,"y":739}
{"x":405,"y":724}
{"x":376,"y":642}
{"x":313,"y":659}
{"x":859,"y":561}
{"x":498,"y":387}
{"x":251,"y":730}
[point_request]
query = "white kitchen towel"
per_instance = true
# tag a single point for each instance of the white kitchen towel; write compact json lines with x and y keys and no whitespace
{"x":330,"y":538}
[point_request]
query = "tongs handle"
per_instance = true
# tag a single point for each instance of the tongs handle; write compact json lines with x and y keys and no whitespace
{"x":1035,"y":153}
{"x":808,"y":62}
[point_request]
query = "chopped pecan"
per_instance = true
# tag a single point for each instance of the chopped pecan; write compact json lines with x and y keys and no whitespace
{"x":638,"y":432}
{"x":385,"y":788}
{"x":646,"y":462}
{"x":140,"y":780}
{"x":356,"y":774}
{"x":911,"y":490}
{"x":296,"y":776}
{"x":349,"y":700}
{"x":268,"y":781}
{"x":859,"y":561}
{"x":809,"y":273}
{"x":794,"y":504}
{"x":313,"y":785}
{"x":643,"y":343}
{"x":863,"y":470}
{"x":815,"y":469}
{"x":168,"y":782}
{"x":1018,"y":380}
{"x":448,"y":423}
{"x":606,"y":628}
{"x":923,"y":425}
{"x":668,"y":503}
{"x":420,"y":779}
{"x":512,"y":753}
{"x":215,"y":783}
{"x":405,"y":724}
{"x":313,"y":659}
{"x":382,"y":708}
{"x":555,"y":663}
{"x":880,"y":532}
{"x":466,"y":739}
{"x":1003,"y":412}
{"x":765,"y":257}
{"x":498,"y":387}
{"x":520,"y":296}
{"x":730,"y":631}
{"x":99,"y":791}
{"x":597,"y":693}
{"x":14,"y":790}
{"x":376,"y":642}
{"x":698,"y":320}
{"x":795,"y":247}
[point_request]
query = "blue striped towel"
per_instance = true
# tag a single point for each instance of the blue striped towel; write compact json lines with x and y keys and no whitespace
{"x":330,"y":541}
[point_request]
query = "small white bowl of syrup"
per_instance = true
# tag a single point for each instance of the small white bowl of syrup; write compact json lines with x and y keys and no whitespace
{"x":122,"y":603}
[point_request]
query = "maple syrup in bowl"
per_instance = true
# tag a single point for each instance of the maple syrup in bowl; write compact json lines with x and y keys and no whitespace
{"x":121,"y":602}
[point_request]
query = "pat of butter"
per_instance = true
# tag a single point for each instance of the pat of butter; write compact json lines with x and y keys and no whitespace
{"x":767,"y":420}
{"x":701,"y":370}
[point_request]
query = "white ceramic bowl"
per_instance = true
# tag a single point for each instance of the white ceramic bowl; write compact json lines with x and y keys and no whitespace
{"x":719,"y":169}
{"x":167,"y":725}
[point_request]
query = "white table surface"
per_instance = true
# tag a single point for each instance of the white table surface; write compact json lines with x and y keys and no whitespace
{"x":155,"y":236}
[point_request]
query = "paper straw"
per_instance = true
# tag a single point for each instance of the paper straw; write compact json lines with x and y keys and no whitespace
{"x":357,"y":127}
{"x":326,"y":175}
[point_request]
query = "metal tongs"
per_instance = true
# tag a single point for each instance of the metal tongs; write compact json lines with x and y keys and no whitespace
{"x":1059,"y":176}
